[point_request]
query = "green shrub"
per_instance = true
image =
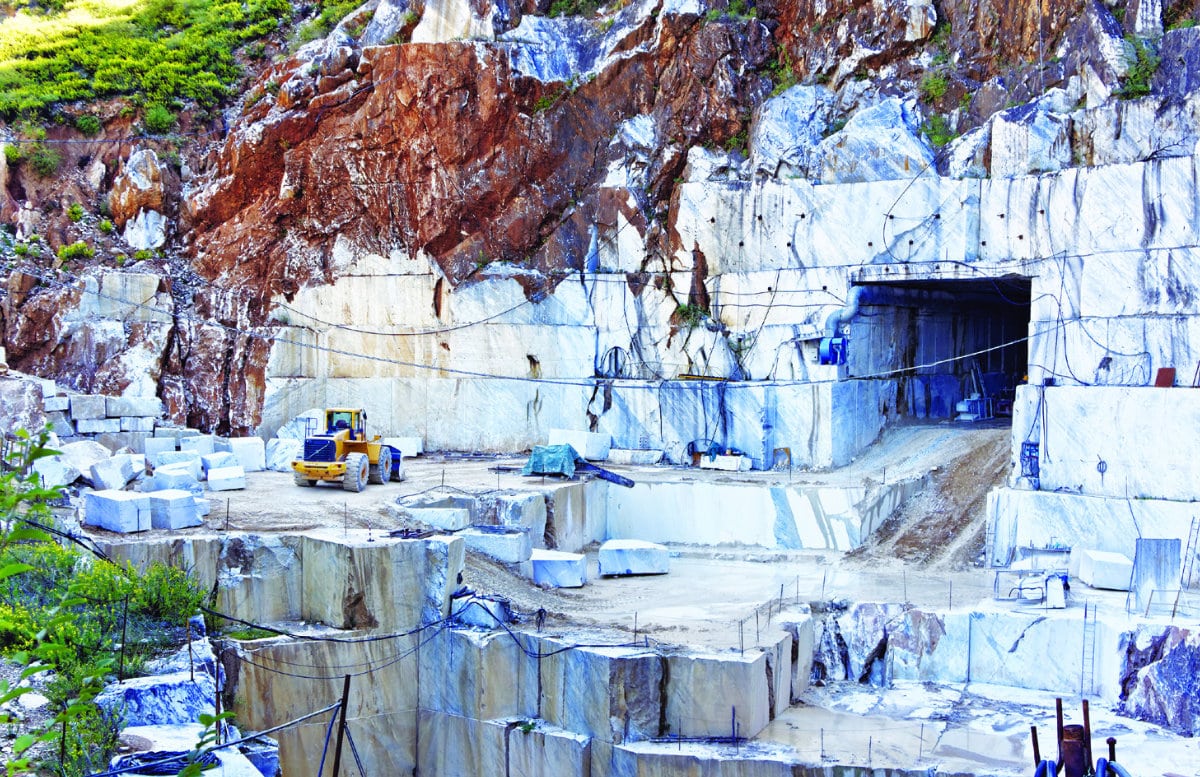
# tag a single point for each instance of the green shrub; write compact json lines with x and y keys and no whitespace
{"x":158,"y":119}
{"x":143,"y":255}
{"x":13,"y":154}
{"x":689,"y":316}
{"x":933,"y":86}
{"x":105,"y":226}
{"x":76,"y":250}
{"x":1142,"y":67}
{"x":88,"y":124}
{"x":783,"y":73}
{"x":45,"y":160}
{"x":20,"y":249}
{"x":75,"y":212}
{"x":938,"y":131}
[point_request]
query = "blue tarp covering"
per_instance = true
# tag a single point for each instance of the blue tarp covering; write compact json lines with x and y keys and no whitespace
{"x":551,"y":460}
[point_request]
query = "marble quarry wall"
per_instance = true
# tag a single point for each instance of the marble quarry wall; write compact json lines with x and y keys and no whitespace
{"x":452,"y":699}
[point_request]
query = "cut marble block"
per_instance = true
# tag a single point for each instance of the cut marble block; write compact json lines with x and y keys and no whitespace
{"x":473,"y":610}
{"x":1104,"y":569}
{"x":112,"y":474}
{"x":250,"y":451}
{"x":172,"y":476}
{"x":85,"y":406}
{"x":634,"y":456}
{"x":98,"y":425}
{"x":53,"y":403}
{"x":511,"y":547}
{"x":218,"y":460}
{"x":173,"y":509}
{"x":226,"y":479}
{"x":408,"y":446}
{"x":634,"y":557}
{"x":143,"y":407}
{"x":156,"y":445}
{"x":589,"y":445}
{"x":442,"y":518}
{"x":201,"y":443}
{"x":726,"y":463}
{"x":137,"y":424}
{"x":281,"y":452}
{"x":118,"y":511}
{"x":177,"y":459}
{"x":557,"y":569}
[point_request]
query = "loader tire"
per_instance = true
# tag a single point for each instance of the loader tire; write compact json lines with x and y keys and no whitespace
{"x":382,"y":471}
{"x":357,"y":468}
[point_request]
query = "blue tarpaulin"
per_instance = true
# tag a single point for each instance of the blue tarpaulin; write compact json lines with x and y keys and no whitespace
{"x":551,"y":460}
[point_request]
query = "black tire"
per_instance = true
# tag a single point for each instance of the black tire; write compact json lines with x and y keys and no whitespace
{"x":381,"y":472}
{"x":357,"y":469}
{"x":303,"y":481}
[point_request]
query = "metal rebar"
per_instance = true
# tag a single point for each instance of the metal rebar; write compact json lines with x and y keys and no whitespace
{"x":337,"y":752}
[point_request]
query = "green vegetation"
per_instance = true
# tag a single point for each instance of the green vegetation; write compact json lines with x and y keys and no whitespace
{"x":783,"y":72}
{"x":75,"y":212}
{"x":44,"y":160}
{"x":77,"y":250}
{"x":105,"y":226}
{"x":737,"y":9}
{"x":158,"y":120}
{"x":574,"y":7}
{"x":156,"y":50}
{"x":332,"y":12}
{"x":938,"y":131}
{"x":689,"y":316}
{"x":1183,"y":24}
{"x":88,"y":124}
{"x":63,"y":613}
{"x":248,"y":634}
{"x":1142,"y":68}
{"x":933,"y":86}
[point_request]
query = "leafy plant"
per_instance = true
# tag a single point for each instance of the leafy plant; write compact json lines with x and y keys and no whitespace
{"x":143,"y":255}
{"x":689,"y":316}
{"x":158,"y":119}
{"x":76,"y":250}
{"x":938,"y":131}
{"x":88,"y":124}
{"x":13,"y":154}
{"x":75,"y":212}
{"x":933,"y":86}
{"x":63,"y":613}
{"x":574,"y":7}
{"x":105,"y":226}
{"x":44,"y":160}
{"x":783,"y":72}
{"x":1144,"y":65}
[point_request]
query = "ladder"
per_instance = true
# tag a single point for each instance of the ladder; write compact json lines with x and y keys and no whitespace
{"x":1087,"y":664}
{"x":1188,"y":565}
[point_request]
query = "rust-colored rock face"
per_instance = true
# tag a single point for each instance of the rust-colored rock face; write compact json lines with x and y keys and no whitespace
{"x":138,"y":187}
{"x":445,"y":149}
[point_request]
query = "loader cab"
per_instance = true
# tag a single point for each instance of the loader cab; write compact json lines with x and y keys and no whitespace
{"x":339,"y":419}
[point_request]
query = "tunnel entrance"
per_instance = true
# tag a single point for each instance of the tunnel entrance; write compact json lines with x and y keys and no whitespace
{"x":955,"y":348}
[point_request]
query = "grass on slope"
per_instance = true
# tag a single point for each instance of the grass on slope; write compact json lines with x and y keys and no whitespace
{"x":154,"y":50}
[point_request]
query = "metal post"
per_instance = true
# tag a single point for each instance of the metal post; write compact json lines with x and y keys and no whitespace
{"x":124,"y":631}
{"x":337,"y":753}
{"x":1037,"y":751}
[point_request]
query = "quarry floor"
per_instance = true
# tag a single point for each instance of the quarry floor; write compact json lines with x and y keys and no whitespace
{"x":722,"y":598}
{"x":713,"y":596}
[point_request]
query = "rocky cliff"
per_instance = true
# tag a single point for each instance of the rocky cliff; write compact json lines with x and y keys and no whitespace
{"x":474,"y":144}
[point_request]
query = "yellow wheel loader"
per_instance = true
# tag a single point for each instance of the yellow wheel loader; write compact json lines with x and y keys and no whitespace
{"x":341,"y":451}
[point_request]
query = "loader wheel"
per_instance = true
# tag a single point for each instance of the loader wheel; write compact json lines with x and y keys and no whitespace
{"x":303,"y":481}
{"x":382,"y":472}
{"x":357,"y":466}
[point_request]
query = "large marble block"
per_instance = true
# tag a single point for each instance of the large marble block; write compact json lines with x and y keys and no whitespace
{"x":509,"y":546}
{"x":558,"y":569}
{"x":112,"y":473}
{"x":589,"y":445}
{"x":226,"y":479}
{"x":634,"y":557}
{"x":217,"y":461}
{"x":173,"y":459}
{"x":140,"y":407}
{"x":280,"y":452}
{"x":87,"y":407}
{"x":201,"y":443}
{"x":173,"y":509}
{"x":153,"y":446}
{"x":118,"y":511}
{"x":408,"y":446}
{"x":250,"y":451}
{"x":1104,"y":569}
